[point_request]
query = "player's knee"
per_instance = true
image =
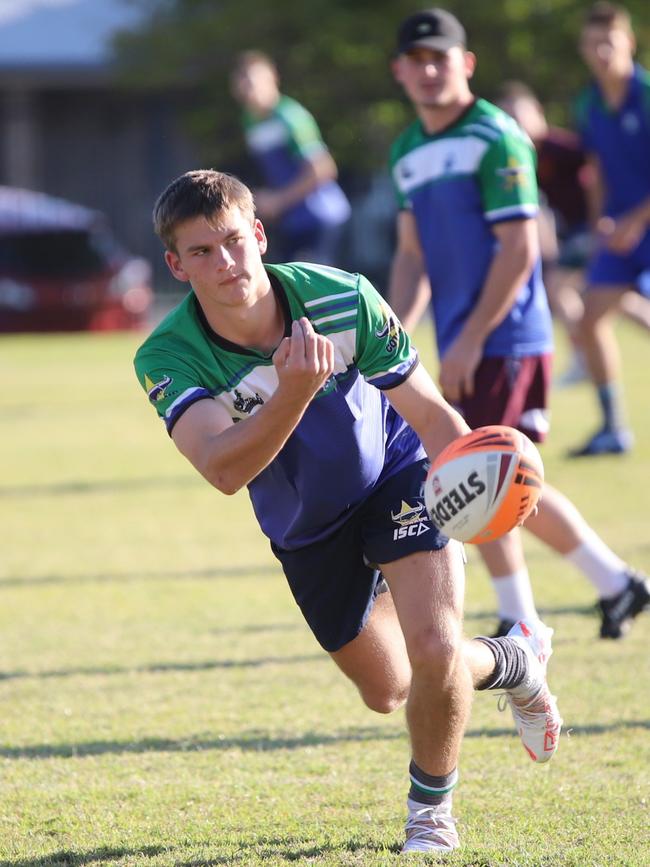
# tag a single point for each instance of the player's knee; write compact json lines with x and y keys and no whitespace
{"x":386,"y":698}
{"x":434,"y":652}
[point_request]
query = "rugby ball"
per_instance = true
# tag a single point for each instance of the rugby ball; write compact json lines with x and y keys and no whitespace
{"x":483,"y":484}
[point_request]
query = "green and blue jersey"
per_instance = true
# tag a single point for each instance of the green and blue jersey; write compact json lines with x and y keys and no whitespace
{"x":348,"y":441}
{"x":620,"y":138}
{"x":458,"y":183}
{"x":280,"y":144}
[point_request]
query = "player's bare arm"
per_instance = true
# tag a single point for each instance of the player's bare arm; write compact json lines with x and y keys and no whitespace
{"x":594,"y":189}
{"x":420,"y":403}
{"x":317,"y":170}
{"x":511,"y":266}
{"x":409,"y":290}
{"x":229,"y":456}
{"x":623,"y":234}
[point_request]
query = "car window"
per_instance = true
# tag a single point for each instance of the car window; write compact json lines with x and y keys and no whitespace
{"x":72,"y":253}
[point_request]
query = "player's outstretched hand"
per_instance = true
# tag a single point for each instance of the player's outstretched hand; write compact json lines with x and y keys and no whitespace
{"x":304,"y":361}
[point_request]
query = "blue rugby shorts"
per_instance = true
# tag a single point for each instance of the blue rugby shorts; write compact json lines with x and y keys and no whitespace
{"x":610,"y":269}
{"x":334,"y":581}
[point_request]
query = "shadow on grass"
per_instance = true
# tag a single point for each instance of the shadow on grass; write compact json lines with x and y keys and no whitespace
{"x":260,"y":741}
{"x":252,"y":741}
{"x":159,"y":575}
{"x":265,"y":849}
{"x":88,"y":486}
{"x":286,"y":849}
{"x":259,"y":628}
{"x":557,"y":611}
{"x":104,"y":855}
{"x":163,"y":667}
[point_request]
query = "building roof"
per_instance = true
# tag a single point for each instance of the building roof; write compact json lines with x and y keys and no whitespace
{"x":61,"y":34}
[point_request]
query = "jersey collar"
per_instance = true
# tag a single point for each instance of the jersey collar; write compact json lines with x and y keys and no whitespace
{"x":214,"y":337}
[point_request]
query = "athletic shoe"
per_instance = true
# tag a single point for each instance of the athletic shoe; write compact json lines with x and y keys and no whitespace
{"x":503,"y":628}
{"x":430,"y":828}
{"x":618,"y":612}
{"x":533,"y":708}
{"x":605,"y":442}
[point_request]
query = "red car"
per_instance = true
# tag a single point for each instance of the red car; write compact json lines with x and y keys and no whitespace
{"x":61,"y":269}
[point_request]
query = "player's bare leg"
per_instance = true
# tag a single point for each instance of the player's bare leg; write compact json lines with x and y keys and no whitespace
{"x":603,"y":359}
{"x":376,"y":661}
{"x":428,"y":590}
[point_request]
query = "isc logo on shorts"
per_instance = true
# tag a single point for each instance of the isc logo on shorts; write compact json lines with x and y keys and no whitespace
{"x":411,"y":530}
{"x":410,"y":519}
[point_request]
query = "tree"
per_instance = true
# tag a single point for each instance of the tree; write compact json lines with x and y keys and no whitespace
{"x":334,"y":56}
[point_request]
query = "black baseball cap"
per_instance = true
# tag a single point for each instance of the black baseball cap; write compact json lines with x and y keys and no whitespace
{"x":431,"y":28}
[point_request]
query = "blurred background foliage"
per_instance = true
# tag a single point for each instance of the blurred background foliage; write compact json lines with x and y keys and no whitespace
{"x":334,"y":55}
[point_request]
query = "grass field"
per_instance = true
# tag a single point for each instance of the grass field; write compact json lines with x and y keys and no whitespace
{"x":163,"y":703}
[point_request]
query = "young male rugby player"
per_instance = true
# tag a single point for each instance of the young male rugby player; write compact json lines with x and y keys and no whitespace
{"x":298,"y":381}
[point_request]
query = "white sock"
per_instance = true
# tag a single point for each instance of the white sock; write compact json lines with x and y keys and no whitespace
{"x":515,"y":596}
{"x":600,"y":565}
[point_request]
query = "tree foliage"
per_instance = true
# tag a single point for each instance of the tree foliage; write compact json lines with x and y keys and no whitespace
{"x":334,"y":56}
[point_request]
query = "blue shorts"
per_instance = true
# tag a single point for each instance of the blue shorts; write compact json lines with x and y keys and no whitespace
{"x":610,"y":269}
{"x":334,"y":581}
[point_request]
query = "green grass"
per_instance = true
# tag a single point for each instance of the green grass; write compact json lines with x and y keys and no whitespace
{"x":163,"y":703}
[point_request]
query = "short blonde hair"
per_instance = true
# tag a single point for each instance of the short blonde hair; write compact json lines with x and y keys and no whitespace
{"x":202,"y":193}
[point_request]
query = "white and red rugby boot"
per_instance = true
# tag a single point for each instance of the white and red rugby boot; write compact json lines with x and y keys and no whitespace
{"x":533,"y":708}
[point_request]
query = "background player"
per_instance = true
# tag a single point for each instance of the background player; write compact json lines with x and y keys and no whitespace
{"x":613,"y":117}
{"x":465,"y":179}
{"x":302,"y":196}
{"x":329,"y":399}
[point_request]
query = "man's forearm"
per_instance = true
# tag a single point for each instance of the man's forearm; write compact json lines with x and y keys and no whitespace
{"x":312,"y":175}
{"x":510,"y":269}
{"x":408,"y":290}
{"x":234,"y":457}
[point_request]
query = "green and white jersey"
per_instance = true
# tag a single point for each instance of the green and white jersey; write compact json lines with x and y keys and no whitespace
{"x":458,"y":183}
{"x":349,"y":439}
{"x":280,"y":144}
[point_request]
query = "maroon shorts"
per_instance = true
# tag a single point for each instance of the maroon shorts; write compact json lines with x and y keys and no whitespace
{"x":511,"y":391}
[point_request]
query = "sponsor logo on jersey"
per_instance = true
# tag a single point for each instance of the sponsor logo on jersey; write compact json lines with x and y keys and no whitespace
{"x":390,"y":330}
{"x":514,"y":174}
{"x":630,"y":123}
{"x":411,"y":520}
{"x":246,"y":404}
{"x":157,"y":390}
{"x":450,"y":162}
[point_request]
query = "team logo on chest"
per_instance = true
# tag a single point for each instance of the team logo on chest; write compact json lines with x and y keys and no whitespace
{"x":246,"y":404}
{"x":630,"y":123}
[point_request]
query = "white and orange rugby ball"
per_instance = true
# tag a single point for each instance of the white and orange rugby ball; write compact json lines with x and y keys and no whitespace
{"x":483,"y":484}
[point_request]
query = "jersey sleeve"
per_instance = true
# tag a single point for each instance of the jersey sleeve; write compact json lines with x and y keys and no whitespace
{"x":306,"y":138}
{"x":507,"y":178}
{"x":580,"y":111}
{"x":394,"y":169}
{"x":171,"y":385}
{"x":384,"y":354}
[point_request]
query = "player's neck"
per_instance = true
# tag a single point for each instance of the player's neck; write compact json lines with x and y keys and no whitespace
{"x":436,"y":118}
{"x":259,"y":325}
{"x":614,"y":87}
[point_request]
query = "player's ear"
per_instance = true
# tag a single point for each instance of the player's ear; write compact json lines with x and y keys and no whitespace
{"x":470,"y":63}
{"x":260,"y":236}
{"x":396,"y":69}
{"x":174,"y":264}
